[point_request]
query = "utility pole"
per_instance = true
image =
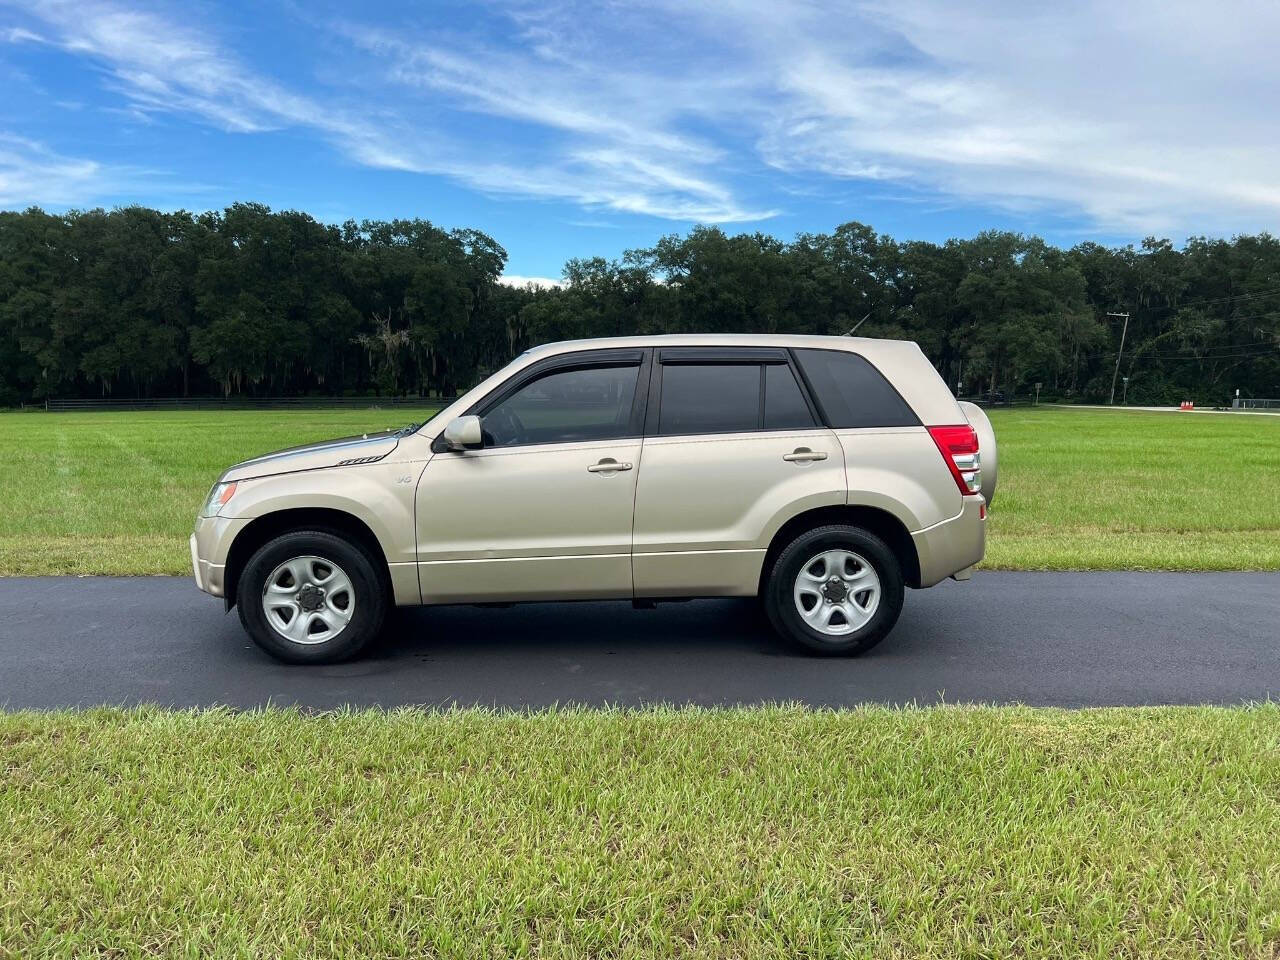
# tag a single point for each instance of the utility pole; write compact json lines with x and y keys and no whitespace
{"x":1118,"y":355}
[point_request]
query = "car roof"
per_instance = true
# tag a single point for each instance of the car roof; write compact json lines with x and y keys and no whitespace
{"x":721,"y":340}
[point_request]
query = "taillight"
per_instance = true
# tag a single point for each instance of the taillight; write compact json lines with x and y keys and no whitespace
{"x":959,"y":448}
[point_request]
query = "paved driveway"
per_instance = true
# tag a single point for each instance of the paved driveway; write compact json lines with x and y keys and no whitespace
{"x":1070,"y":639}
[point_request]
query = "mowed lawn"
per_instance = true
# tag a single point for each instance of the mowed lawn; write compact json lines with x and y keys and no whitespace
{"x":1128,"y":490}
{"x":116,"y":493}
{"x":761,"y":833}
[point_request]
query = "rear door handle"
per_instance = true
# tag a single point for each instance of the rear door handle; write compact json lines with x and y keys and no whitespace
{"x":804,"y":455}
{"x":608,"y":465}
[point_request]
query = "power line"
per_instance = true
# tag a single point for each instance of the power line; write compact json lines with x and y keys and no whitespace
{"x":1227,"y":299}
{"x":1232,"y":348}
{"x":1243,"y":352}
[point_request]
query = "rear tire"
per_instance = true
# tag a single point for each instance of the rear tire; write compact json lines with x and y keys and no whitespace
{"x":311,"y":596}
{"x":835,"y":590}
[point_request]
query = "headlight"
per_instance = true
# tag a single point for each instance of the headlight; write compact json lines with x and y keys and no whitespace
{"x":218,"y":497}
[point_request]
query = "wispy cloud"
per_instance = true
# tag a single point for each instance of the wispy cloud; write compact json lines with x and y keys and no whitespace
{"x":1142,"y":117}
{"x":1148,"y":116}
{"x":603,"y":161}
{"x":31,"y":173}
{"x":22,"y":35}
{"x":610,"y":136}
{"x":162,"y":67}
{"x":1139,"y":117}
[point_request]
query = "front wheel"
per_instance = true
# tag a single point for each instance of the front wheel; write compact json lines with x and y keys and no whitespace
{"x":310,"y":596}
{"x":835,"y":590}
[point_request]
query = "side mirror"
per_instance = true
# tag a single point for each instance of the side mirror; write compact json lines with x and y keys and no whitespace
{"x":463,"y":433}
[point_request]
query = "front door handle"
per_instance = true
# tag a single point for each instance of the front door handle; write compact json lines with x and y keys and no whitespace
{"x":804,"y":455}
{"x":608,"y":465}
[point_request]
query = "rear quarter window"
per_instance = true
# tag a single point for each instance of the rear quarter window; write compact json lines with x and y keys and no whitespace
{"x":852,"y":392}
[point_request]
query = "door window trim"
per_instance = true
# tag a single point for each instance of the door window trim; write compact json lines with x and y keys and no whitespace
{"x":736,"y":356}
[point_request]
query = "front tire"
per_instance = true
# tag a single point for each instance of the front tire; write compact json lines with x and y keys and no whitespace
{"x":310,"y":596}
{"x":835,"y":590}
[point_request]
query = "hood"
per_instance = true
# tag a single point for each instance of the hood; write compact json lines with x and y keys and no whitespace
{"x":348,"y":451}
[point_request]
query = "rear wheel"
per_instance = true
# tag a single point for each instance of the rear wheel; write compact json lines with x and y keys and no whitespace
{"x":835,"y":590}
{"x":311,"y":596}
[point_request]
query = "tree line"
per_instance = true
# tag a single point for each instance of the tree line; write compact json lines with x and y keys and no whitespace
{"x":135,"y":302}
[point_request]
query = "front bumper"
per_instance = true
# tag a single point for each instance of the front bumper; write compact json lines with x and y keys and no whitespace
{"x":210,"y":545}
{"x":954,"y":545}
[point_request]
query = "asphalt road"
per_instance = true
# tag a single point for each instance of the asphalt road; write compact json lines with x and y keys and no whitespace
{"x":1069,"y":639}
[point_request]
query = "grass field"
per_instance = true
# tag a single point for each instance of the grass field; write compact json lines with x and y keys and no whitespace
{"x":947,"y":832}
{"x":746,"y":833}
{"x":1122,"y":490}
{"x":1106,"y":490}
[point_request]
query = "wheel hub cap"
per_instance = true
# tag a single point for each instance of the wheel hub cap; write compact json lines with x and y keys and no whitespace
{"x":837,"y":592}
{"x":833,"y":591}
{"x":308,"y":600}
{"x":311,"y":598}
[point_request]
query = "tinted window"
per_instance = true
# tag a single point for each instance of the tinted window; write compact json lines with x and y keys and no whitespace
{"x":565,"y":406}
{"x":853,"y":393}
{"x":709,"y":398}
{"x":784,"y":406}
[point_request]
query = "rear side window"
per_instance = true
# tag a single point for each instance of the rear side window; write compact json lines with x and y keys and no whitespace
{"x":853,"y":393}
{"x":784,"y":404}
{"x":709,"y":398}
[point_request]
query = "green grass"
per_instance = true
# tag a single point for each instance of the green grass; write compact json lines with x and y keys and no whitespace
{"x":778,"y":832}
{"x":1124,"y":490}
{"x":117,"y":493}
{"x":1107,"y":490}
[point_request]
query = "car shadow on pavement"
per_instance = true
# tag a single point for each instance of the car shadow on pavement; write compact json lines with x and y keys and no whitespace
{"x":578,"y":629}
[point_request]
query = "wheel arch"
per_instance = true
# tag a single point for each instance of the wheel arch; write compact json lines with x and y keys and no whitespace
{"x":873,"y":519}
{"x":271,"y":525}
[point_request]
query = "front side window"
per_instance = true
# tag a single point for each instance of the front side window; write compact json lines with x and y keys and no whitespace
{"x":709,"y":398}
{"x":564,"y":407}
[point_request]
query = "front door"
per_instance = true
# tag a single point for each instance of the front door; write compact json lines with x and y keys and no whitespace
{"x":543,"y":510}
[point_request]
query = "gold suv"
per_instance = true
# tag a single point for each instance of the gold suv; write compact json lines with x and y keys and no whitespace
{"x":822,"y":474}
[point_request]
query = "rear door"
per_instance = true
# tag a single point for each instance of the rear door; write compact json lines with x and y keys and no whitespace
{"x":733,"y":447}
{"x":891,"y":461}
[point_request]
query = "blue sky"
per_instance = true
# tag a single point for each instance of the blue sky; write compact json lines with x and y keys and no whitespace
{"x":574,"y":129}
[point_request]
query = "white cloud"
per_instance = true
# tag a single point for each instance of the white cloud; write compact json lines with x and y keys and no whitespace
{"x":609,"y":138}
{"x":161,"y":67}
{"x":610,"y":163}
{"x":31,"y":173}
{"x":22,"y":35}
{"x":515,"y":280}
{"x":1133,"y":117}
{"x":1138,"y":117}
{"x":1148,"y":116}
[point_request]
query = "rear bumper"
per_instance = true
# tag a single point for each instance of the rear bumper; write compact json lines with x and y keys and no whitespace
{"x":952,"y":545}
{"x":210,"y":544}
{"x":201,"y":576}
